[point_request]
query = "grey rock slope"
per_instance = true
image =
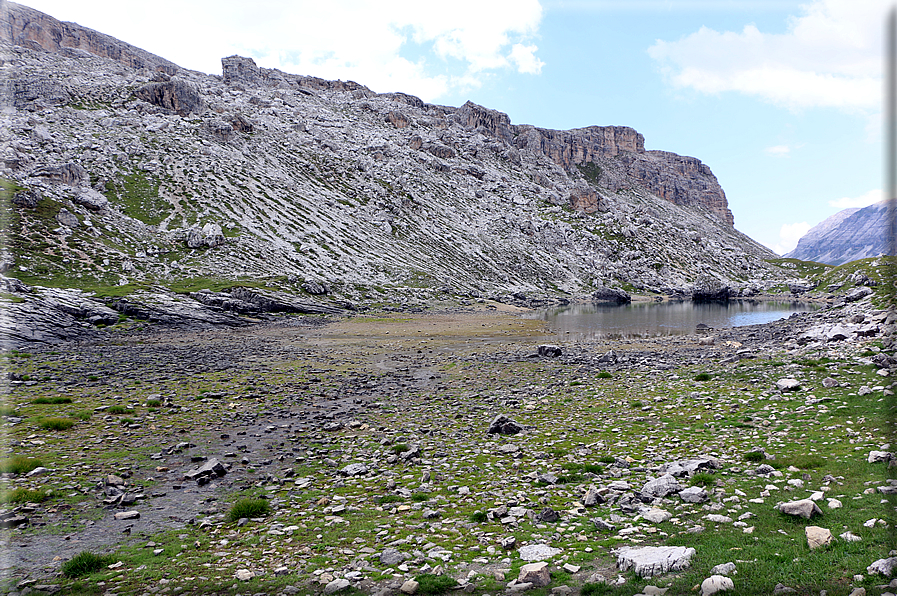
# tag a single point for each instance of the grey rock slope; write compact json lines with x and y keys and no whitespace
{"x":120,"y":167}
{"x":848,"y":235}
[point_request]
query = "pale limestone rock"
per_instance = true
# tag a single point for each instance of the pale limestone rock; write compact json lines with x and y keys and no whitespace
{"x":817,"y":537}
{"x":716,"y":583}
{"x":535,"y":574}
{"x":648,"y":561}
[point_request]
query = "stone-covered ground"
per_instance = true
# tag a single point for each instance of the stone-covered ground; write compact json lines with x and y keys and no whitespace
{"x":368,"y":439}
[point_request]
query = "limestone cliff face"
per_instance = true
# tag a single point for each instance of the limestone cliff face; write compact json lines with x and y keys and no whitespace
{"x":619,"y":151}
{"x":24,"y":26}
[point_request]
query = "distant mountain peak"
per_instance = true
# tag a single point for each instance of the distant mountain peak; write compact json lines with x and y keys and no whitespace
{"x":851,"y":234}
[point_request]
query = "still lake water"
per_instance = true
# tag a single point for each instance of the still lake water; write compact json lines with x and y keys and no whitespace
{"x":651,"y":319}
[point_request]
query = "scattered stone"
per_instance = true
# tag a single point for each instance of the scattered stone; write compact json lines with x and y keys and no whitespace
{"x":661,"y":487}
{"x":716,"y":583}
{"x":550,"y":351}
{"x":787,"y":385}
{"x":723,"y":569}
{"x":357,"y":469}
{"x":570,"y":568}
{"x":648,"y":561}
{"x":656,"y":516}
{"x":592,"y":497}
{"x":244,"y":574}
{"x":127,"y":515}
{"x":503,"y":425}
{"x":849,"y":536}
{"x":876,"y":457}
{"x":804,"y":508}
{"x":535,"y":573}
{"x":693,"y":494}
{"x":885,"y":567}
{"x":210,"y":468}
{"x":392,"y":557}
{"x":338,"y":585}
{"x":409,"y":587}
{"x":817,"y":537}
{"x":537,"y":552}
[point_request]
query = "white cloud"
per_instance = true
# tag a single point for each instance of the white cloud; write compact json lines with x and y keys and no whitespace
{"x":789,"y":235}
{"x":864,"y":200}
{"x":830,"y":56}
{"x":525,"y":59}
{"x":418,"y":47}
{"x":779,"y":150}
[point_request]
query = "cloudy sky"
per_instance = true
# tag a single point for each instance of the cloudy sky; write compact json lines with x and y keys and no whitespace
{"x":781,"y":98}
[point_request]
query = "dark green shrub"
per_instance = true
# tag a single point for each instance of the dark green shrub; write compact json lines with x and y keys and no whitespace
{"x":702,"y":377}
{"x":607,"y":459}
{"x":703,"y":479}
{"x":120,"y":410}
{"x":153,"y":403}
{"x":389,"y":499}
{"x":477,"y":517}
{"x":400,"y":448}
{"x":604,"y":375}
{"x":85,"y":563}
{"x":248,"y":508}
{"x":420,"y":497}
{"x":755,"y":456}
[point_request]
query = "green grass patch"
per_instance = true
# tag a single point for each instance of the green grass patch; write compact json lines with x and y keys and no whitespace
{"x":55,"y":423}
{"x":52,"y":400}
{"x":24,"y":495}
{"x":247,"y":508}
{"x":18,"y":464}
{"x":703,"y":479}
{"x":800,"y":461}
{"x":434,"y":584}
{"x":389,"y":499}
{"x":120,"y":410}
{"x":153,"y":403}
{"x":400,"y":448}
{"x":420,"y":497}
{"x":702,"y":377}
{"x":604,"y":375}
{"x":477,"y":517}
{"x":754,"y":456}
{"x":85,"y":563}
{"x":596,"y":589}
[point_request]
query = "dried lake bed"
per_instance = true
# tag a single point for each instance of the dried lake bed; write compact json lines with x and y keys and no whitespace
{"x":367,"y":438}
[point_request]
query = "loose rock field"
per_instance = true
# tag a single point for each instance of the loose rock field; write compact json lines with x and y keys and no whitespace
{"x":367,"y":438}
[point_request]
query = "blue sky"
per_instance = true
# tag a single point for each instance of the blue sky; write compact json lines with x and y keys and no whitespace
{"x":780,"y":98}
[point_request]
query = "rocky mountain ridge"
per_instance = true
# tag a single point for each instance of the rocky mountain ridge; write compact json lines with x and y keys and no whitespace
{"x":119,"y":172}
{"x":848,"y":235}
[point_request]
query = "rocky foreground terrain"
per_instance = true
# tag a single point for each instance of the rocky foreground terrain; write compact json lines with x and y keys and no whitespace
{"x":461,"y":450}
